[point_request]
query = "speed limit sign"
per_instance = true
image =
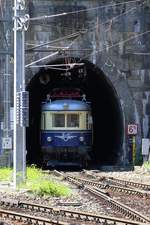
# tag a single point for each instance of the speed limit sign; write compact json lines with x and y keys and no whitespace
{"x":132,"y":129}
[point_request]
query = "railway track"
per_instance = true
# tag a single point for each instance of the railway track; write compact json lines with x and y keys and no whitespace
{"x":20,"y":217}
{"x":114,"y":188}
{"x":129,"y":183}
{"x":83,"y":216}
{"x":125,"y":210}
{"x":117,"y":181}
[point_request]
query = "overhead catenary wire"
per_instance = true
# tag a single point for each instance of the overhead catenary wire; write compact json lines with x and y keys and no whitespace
{"x":101,"y":50}
{"x":114,"y":45}
{"x":46,"y":57}
{"x":64,"y":49}
{"x":88,"y":30}
{"x":108,"y":47}
{"x":83,"y":32}
{"x":39,"y":60}
{"x":112,"y":65}
{"x":140,"y":53}
{"x":51,"y":55}
{"x":59,"y":65}
{"x":56,"y":68}
{"x":69,"y":36}
{"x":82,"y":10}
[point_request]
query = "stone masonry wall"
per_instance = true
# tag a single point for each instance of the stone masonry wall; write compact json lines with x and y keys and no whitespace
{"x":126,"y":63}
{"x":112,"y":43}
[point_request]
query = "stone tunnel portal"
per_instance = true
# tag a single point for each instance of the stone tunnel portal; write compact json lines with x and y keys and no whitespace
{"x":107,"y":114}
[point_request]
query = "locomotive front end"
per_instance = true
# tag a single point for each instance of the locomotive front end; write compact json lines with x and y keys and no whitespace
{"x":66,"y":132}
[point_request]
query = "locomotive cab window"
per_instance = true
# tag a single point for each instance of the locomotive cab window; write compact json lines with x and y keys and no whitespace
{"x":73,"y":120}
{"x":58,"y":120}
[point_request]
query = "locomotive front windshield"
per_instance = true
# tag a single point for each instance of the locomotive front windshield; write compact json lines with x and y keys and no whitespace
{"x":72,"y":120}
{"x":58,"y":120}
{"x":65,"y":120}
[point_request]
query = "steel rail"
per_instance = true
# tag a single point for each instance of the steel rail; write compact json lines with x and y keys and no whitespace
{"x":129,"y":183}
{"x":28,"y":218}
{"x":119,"y":181}
{"x":114,"y":188}
{"x":70,"y":213}
{"x":109,"y":201}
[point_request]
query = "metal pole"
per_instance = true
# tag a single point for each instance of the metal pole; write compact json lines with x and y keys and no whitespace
{"x":134,"y":149}
{"x":15,"y":92}
{"x":20,"y":20}
{"x":6,"y":137}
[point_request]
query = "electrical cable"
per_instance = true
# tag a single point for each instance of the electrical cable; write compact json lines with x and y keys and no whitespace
{"x":59,"y":39}
{"x":88,"y":30}
{"x":114,"y":45}
{"x":79,"y":11}
{"x":39,"y":60}
{"x":48,"y":56}
{"x":100,"y":49}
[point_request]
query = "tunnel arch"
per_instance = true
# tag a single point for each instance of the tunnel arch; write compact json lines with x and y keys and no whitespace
{"x":108,"y":128}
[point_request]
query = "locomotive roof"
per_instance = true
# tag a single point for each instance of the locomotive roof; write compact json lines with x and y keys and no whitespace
{"x":65,"y":105}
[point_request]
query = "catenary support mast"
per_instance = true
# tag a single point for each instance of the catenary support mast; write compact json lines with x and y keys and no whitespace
{"x":20,"y":95}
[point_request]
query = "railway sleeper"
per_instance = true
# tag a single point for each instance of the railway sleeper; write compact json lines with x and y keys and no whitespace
{"x":56,"y":212}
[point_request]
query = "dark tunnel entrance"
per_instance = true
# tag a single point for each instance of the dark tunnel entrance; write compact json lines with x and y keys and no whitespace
{"x":106,"y":110}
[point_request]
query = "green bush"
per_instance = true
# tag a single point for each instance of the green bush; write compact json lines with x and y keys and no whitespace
{"x":5,"y":174}
{"x":37,"y":182}
{"x":46,"y":187}
{"x":41,"y":185}
{"x":146,"y":165}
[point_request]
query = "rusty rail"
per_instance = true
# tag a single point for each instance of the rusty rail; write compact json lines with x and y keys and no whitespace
{"x":28,"y":218}
{"x":130,"y":183}
{"x":119,"y":181}
{"x":109,"y":201}
{"x":114,"y":188}
{"x":84,"y":216}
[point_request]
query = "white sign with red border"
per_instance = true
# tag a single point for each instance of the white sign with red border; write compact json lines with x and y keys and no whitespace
{"x":132,"y":129}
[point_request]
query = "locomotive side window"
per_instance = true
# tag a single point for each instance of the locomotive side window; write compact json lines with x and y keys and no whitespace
{"x":73,"y":120}
{"x":58,"y":120}
{"x":43,"y":121}
{"x":87,"y":121}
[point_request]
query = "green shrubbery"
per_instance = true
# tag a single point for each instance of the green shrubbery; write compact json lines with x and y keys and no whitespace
{"x":37,"y":183}
{"x":5,"y":174}
{"x":146,"y":165}
{"x":41,"y":184}
{"x":46,"y":187}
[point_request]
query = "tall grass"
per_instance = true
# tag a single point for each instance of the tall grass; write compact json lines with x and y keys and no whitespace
{"x":5,"y":174}
{"x":41,"y":184}
{"x":38,"y":183}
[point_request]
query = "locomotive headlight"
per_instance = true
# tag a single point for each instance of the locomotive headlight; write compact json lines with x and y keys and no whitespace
{"x":81,"y":139}
{"x":49,"y":139}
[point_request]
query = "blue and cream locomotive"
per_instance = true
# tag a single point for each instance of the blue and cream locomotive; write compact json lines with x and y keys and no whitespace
{"x":66,"y":130}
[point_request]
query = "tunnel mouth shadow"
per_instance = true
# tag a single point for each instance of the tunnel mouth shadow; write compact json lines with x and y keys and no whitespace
{"x":108,"y":128}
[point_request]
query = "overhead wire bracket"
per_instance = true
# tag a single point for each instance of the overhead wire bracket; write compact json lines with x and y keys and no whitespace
{"x":22,"y":22}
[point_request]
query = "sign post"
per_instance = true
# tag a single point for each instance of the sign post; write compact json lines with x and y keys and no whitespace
{"x":132,"y":132}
